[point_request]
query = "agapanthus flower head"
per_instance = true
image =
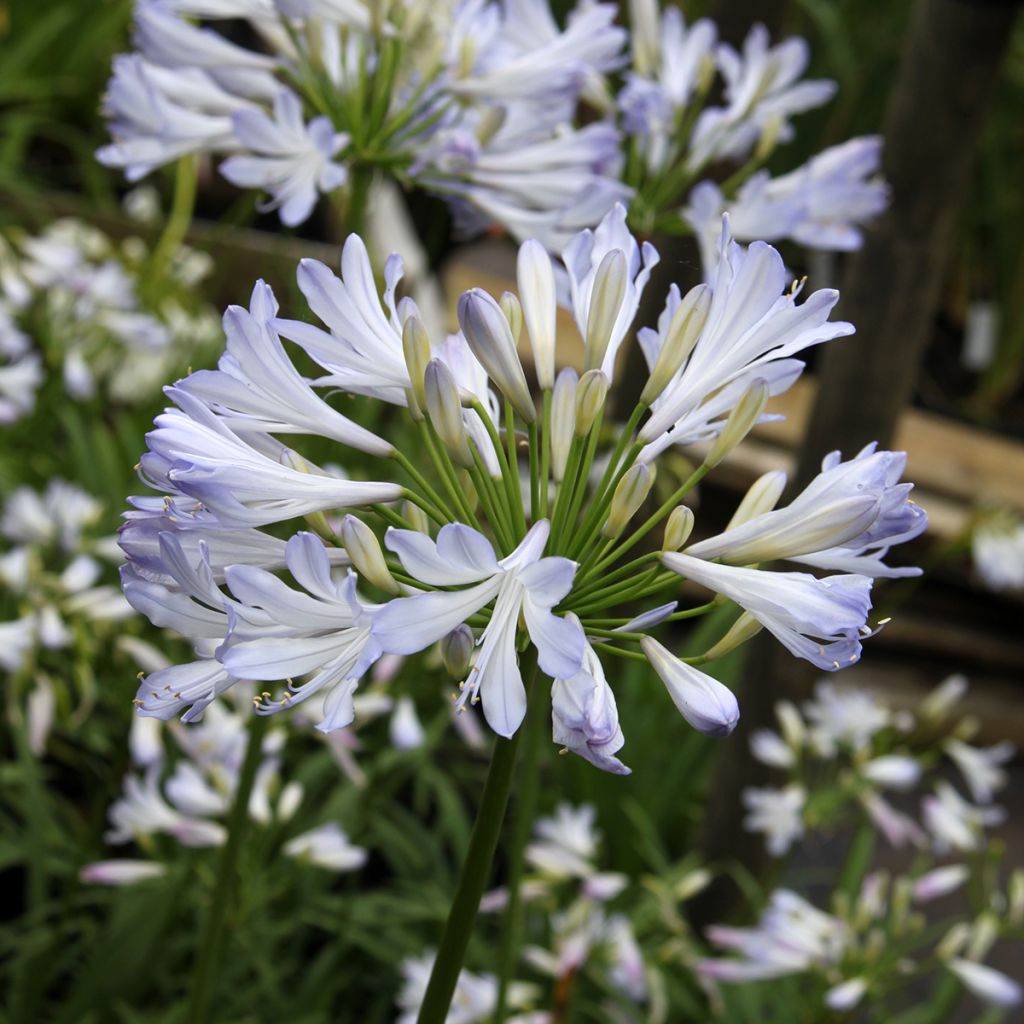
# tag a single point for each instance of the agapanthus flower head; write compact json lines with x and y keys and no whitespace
{"x":473,"y":516}
{"x":476,"y":103}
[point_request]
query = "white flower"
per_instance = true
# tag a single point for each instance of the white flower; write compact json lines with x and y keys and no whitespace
{"x":771,"y":749}
{"x":291,"y":159}
{"x":762,"y":91}
{"x":322,"y":630}
{"x":327,"y":846}
{"x":820,"y":205}
{"x":778,"y":813}
{"x":523,"y":582}
{"x":981,"y":767}
{"x":671,"y":59}
{"x":474,"y":1001}
{"x":847,"y":994}
{"x":791,"y":936}
{"x":20,"y":379}
{"x":956,"y":824}
{"x":898,"y":828}
{"x":627,"y":973}
{"x":584,"y":256}
{"x":997,"y":546}
{"x":844,"y":519}
{"x":844,"y":716}
{"x":566,"y":843}
{"x":752,"y":329}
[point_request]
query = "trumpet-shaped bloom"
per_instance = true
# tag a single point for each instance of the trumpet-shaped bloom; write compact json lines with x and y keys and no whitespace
{"x":584,"y":717}
{"x":521,"y":583}
{"x":753,"y":328}
{"x":846,"y":518}
{"x":819,"y":620}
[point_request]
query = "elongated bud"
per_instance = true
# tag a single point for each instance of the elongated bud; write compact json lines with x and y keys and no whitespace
{"x":630,"y":493}
{"x":762,"y":497}
{"x":683,"y":333}
{"x":415,"y":517}
{"x":983,"y":935}
{"x":457,"y":651}
{"x":953,"y":941}
{"x":703,"y":701}
{"x":678,"y":528}
{"x":536,"y":279}
{"x":938,"y":704}
{"x":445,"y":412}
{"x":645,"y":36}
{"x":987,"y":983}
{"x":692,"y":883}
{"x":487,"y":330}
{"x":591,"y":392}
{"x":939,"y":882}
{"x":317,"y":520}
{"x":745,"y":413}
{"x":606,"y":295}
{"x":740,"y":632}
{"x":513,"y":314}
{"x":416,"y":349}
{"x":791,"y":724}
{"x":563,"y":420}
{"x":367,"y":558}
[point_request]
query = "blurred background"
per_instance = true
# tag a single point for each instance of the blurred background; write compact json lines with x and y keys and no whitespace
{"x":937,"y":369}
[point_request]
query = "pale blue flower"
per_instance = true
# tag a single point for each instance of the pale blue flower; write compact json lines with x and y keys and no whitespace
{"x":521,"y":583}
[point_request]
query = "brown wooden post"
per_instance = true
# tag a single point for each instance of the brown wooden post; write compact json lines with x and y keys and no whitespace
{"x":936,"y":114}
{"x":949,"y":68}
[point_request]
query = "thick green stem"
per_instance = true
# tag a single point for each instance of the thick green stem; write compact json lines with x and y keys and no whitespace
{"x":475,"y":872}
{"x":208,"y":956}
{"x":526,"y":811}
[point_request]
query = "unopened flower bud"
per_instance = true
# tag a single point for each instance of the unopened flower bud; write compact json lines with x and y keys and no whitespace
{"x":984,"y":934}
{"x":606,"y":295}
{"x":415,"y":517}
{"x":895,"y":771}
{"x":416,"y":349}
{"x":745,"y":413}
{"x":939,"y":882}
{"x":590,"y":395}
{"x":513,"y":314}
{"x":692,"y":883}
{"x":367,"y":558}
{"x":938,"y":704}
{"x":678,"y":528}
{"x":745,"y":627}
{"x":846,"y":995}
{"x":683,"y":333}
{"x":762,"y":497}
{"x":791,"y":724}
{"x":536,"y":280}
{"x":457,"y":651}
{"x":630,"y":493}
{"x":563,"y":420}
{"x":489,"y":335}
{"x":445,"y":412}
{"x":703,"y":701}
{"x":953,"y":941}
{"x":987,"y":983}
